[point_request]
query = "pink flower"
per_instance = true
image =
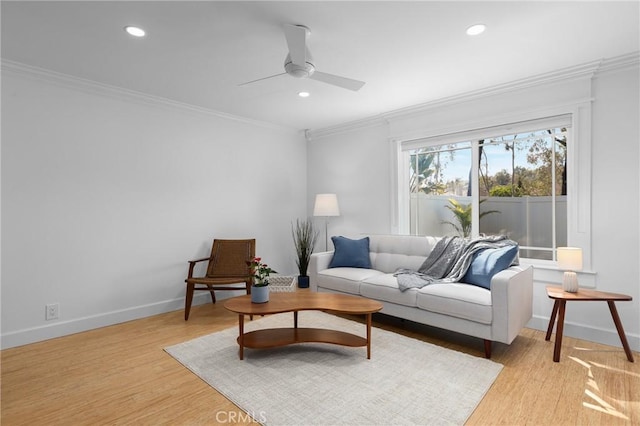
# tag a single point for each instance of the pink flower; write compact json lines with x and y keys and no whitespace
{"x":260,"y":271}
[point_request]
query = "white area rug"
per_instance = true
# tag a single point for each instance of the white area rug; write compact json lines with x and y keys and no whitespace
{"x":406,"y":381}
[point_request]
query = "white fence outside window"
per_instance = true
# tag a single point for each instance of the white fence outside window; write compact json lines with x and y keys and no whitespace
{"x":526,"y":220}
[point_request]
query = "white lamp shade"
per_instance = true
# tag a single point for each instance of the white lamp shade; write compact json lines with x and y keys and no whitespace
{"x":570,"y":258}
{"x":326,"y":205}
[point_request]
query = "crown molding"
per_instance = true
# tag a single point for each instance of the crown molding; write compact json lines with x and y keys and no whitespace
{"x":620,"y":63}
{"x":587,"y":70}
{"x":102,"y":89}
{"x":345,"y":127}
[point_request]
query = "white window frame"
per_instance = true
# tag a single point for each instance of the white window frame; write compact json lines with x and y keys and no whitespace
{"x":578,"y":174}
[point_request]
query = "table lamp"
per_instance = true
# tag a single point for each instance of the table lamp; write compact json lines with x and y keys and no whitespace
{"x":326,"y":205}
{"x":570,"y":260}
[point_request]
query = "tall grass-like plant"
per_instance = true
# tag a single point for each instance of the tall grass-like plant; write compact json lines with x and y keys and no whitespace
{"x":304,"y":239}
{"x":462,"y":213}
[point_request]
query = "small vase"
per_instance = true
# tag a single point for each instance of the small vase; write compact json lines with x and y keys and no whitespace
{"x":259,"y":294}
{"x":303,"y":281}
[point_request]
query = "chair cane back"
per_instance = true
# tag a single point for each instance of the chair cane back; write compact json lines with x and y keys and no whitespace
{"x":227,"y":266}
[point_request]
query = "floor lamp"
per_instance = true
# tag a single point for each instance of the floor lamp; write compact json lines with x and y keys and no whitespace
{"x":326,"y":205}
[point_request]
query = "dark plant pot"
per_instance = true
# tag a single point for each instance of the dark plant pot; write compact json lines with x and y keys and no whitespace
{"x":259,"y":294}
{"x":303,"y":281}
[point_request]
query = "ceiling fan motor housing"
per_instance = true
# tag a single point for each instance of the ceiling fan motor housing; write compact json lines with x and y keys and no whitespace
{"x":297,"y":70}
{"x":300,"y":64}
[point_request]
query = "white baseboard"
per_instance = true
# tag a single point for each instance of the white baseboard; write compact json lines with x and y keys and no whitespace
{"x":581,"y":331}
{"x":64,"y":328}
{"x":77,"y":325}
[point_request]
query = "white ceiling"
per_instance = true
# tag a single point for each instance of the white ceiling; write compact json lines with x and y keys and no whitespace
{"x":408,"y":53}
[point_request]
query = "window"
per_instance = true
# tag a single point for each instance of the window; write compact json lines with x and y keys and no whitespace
{"x":506,"y":180}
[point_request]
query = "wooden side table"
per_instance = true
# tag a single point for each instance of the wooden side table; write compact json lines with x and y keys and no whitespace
{"x":561,"y":297}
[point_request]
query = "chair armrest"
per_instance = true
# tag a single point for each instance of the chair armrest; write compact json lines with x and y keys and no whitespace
{"x":318,"y":262}
{"x":512,"y":301}
{"x":192,"y":264}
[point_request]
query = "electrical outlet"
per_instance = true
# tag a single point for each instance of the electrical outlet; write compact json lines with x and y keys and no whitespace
{"x":51,"y":311}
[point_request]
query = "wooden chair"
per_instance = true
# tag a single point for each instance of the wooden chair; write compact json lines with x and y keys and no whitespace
{"x":227,"y":265}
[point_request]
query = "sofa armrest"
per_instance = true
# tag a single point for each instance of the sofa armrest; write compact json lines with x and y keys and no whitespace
{"x":512,"y":301}
{"x":318,"y":262}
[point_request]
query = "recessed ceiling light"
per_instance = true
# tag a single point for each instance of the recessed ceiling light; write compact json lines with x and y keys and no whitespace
{"x":135,"y":31}
{"x":476,"y":29}
{"x":304,"y":94}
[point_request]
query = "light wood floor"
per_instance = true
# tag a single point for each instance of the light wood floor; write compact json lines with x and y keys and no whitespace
{"x":121,"y":375}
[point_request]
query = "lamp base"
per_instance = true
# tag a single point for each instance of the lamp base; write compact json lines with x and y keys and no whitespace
{"x":570,"y":282}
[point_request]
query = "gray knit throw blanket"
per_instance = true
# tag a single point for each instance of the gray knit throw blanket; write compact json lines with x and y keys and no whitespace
{"x":448,"y":261}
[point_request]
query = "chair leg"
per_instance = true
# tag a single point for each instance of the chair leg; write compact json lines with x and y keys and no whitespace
{"x":187,"y":300}
{"x":213,"y":295}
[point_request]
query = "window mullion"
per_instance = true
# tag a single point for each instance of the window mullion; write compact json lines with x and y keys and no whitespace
{"x":553,"y":193}
{"x":416,"y":225}
{"x":475,"y":188}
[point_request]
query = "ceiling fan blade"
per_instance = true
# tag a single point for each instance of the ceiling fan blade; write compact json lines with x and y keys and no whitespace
{"x":336,"y":80}
{"x":263,"y":78}
{"x":297,"y":41}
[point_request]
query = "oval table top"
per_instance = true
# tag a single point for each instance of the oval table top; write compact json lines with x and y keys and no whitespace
{"x":304,"y":301}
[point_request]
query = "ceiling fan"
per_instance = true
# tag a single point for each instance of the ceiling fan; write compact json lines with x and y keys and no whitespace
{"x":299,"y":62}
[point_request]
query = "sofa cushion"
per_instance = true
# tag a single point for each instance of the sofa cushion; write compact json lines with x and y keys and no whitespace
{"x":344,"y":279}
{"x":350,"y":253}
{"x":384,"y":287}
{"x":392,"y":252}
{"x":457,"y":300}
{"x":488,"y":262}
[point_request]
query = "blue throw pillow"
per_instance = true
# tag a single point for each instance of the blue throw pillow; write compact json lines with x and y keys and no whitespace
{"x":350,"y":253}
{"x":488,"y":262}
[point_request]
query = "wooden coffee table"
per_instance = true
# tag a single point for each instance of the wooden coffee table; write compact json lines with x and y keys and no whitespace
{"x":302,"y":301}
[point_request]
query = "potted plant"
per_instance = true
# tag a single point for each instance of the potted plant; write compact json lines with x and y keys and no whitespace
{"x":462,"y":213}
{"x":304,"y":239}
{"x":260,"y":274}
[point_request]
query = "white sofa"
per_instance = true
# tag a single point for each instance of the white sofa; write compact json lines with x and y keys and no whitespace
{"x":493,"y":315}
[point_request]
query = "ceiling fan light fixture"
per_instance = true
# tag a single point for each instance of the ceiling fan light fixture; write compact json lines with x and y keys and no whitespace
{"x":299,"y":71}
{"x":476,"y":29}
{"x":135,"y":31}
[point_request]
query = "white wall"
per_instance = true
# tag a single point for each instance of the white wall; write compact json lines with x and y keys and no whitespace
{"x":616,"y":201}
{"x":106,"y":195}
{"x":356,"y":168}
{"x":340,"y":160}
